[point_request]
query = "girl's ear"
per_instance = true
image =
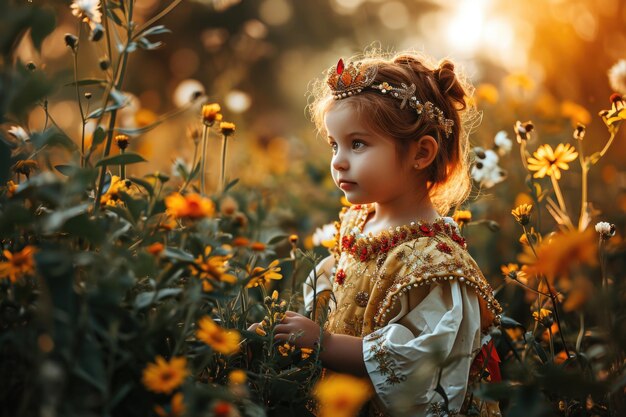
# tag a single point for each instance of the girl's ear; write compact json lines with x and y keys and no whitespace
{"x":424,"y":151}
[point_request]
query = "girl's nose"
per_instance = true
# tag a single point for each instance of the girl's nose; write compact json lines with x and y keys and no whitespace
{"x":339,"y":162}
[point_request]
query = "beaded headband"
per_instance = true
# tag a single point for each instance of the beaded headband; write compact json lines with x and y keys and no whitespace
{"x":348,"y":80}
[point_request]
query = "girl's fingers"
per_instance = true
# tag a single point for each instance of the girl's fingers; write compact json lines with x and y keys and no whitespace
{"x":282,"y":328}
{"x":283,"y":337}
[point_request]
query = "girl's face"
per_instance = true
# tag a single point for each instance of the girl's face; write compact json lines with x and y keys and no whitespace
{"x":365,"y":165}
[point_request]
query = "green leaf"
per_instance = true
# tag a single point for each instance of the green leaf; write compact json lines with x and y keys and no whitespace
{"x":145,"y":299}
{"x":135,"y":206}
{"x":57,"y":219}
{"x":229,"y":185}
{"x":121,"y":159}
{"x":66,"y":170}
{"x":178,"y":254}
{"x":98,"y":137}
{"x":277,"y":239}
{"x":99,"y":112}
{"x":145,"y":184}
{"x":155,"y":30}
{"x":52,"y":137}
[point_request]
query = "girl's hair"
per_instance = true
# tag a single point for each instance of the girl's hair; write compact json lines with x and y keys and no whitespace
{"x":448,"y":176}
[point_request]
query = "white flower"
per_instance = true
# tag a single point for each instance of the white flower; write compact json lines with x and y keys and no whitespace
{"x":324,"y":235}
{"x":179,"y":163}
{"x":503,"y":142}
{"x":617,"y":76}
{"x":88,"y":10}
{"x":19,"y":133}
{"x":606,"y":230}
{"x":486,"y":170}
{"x":186,"y":91}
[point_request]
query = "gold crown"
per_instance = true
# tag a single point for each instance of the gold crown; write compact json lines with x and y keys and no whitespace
{"x":348,"y":80}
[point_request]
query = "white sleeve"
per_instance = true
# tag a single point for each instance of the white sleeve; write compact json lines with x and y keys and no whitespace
{"x":403,"y":358}
{"x":313,"y":287}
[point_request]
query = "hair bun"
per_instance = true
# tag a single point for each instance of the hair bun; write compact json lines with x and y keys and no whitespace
{"x":448,"y":82}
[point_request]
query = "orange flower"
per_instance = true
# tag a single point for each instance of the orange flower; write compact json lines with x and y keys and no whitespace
{"x":219,"y":339}
{"x":556,"y":255}
{"x":155,"y":249}
{"x":237,"y":377}
{"x":11,"y":188}
{"x":163,"y":376}
{"x":227,"y":129}
{"x":341,"y":395}
{"x":176,"y":408}
{"x":18,"y":264}
{"x":262,"y":276}
{"x":192,"y":206}
{"x":241,"y":241}
{"x":258,"y":246}
{"x":214,"y":267}
{"x":211,"y":114}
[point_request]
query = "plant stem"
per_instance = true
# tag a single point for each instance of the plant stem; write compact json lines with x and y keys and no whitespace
{"x":80,"y":105}
{"x":122,"y":168}
{"x":559,"y":195}
{"x":222,"y":178}
{"x":205,"y":138}
{"x":608,"y":143}
{"x":581,"y":332}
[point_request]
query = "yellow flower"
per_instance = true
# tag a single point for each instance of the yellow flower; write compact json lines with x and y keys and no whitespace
{"x":211,"y":114}
{"x":614,"y":117}
{"x":341,"y":395}
{"x":306,"y":352}
{"x":542,"y":315}
{"x":241,"y":241}
{"x":113,"y":196}
{"x":549,"y":162}
{"x":487,"y":92}
{"x":163,"y":376}
{"x":535,"y":237}
{"x":556,"y":255}
{"x":192,"y":206}
{"x":221,"y":340}
{"x":18,"y":264}
{"x":513,"y":271}
{"x":262,"y":276}
{"x":286,"y":349}
{"x":462,"y":217}
{"x":209,"y":267}
{"x":575,"y":112}
{"x":11,"y":188}
{"x":237,"y":377}
{"x":260,"y":331}
{"x":176,"y":408}
{"x":519,"y":80}
{"x":227,"y":129}
{"x":122,"y":141}
{"x":522,"y":213}
{"x":293,"y":239}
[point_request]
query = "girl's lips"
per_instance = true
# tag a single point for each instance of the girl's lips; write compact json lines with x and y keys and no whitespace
{"x":347,"y":185}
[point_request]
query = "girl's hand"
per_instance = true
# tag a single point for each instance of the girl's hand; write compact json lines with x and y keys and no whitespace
{"x":292,"y":325}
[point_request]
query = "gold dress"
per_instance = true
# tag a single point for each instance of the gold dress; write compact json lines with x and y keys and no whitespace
{"x":422,"y":307}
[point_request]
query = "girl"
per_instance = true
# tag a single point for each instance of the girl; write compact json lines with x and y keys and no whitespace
{"x":408,"y":306}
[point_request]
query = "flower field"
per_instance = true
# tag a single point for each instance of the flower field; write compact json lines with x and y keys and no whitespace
{"x":162,"y":190}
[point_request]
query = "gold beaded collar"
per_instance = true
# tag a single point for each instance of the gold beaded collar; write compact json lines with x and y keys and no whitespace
{"x":364,"y":247}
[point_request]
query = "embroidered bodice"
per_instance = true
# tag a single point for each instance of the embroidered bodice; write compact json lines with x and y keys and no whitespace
{"x":372,"y":271}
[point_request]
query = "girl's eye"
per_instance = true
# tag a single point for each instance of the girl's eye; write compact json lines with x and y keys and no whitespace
{"x":333,"y":146}
{"x":357,"y":144}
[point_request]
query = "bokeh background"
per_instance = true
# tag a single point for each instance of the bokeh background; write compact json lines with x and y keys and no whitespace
{"x":538,"y":60}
